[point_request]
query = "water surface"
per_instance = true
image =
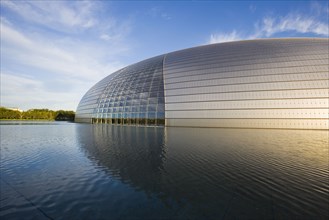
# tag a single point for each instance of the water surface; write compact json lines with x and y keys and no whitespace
{"x":58,"y":170}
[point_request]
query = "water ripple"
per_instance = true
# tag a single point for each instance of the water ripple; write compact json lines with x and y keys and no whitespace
{"x":77,"y":171}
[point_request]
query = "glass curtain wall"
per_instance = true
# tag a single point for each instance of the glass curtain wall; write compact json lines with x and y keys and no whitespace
{"x":134,"y":96}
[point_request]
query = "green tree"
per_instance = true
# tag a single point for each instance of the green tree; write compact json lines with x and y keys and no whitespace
{"x":37,"y":114}
{"x":6,"y":113}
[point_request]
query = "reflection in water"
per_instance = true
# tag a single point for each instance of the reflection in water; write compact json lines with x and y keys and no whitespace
{"x":217,"y":173}
{"x":133,"y":154}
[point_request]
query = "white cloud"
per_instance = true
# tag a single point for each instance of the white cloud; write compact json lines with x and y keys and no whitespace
{"x":50,"y":57}
{"x":270,"y":26}
{"x":224,"y":37}
{"x":105,"y":37}
{"x":40,"y":69}
{"x":27,"y":93}
{"x":72,"y":63}
{"x":55,"y":14}
{"x":114,"y":33}
{"x":292,"y":22}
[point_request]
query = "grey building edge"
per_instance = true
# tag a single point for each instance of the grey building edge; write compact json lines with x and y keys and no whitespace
{"x":265,"y":83}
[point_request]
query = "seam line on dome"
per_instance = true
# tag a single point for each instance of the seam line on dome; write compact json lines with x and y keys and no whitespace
{"x":164,"y":85}
{"x":234,"y":77}
{"x":248,"y":83}
{"x":247,"y":91}
{"x":242,"y":100}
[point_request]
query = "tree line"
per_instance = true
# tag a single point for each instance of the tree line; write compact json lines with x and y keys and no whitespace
{"x":36,"y":114}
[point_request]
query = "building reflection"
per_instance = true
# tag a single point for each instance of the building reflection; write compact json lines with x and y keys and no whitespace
{"x":134,"y":155}
{"x":217,"y":172}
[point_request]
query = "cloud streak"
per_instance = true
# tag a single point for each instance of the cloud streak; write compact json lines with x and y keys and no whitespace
{"x":50,"y":57}
{"x":40,"y":68}
{"x":55,"y":14}
{"x":270,"y":26}
{"x":292,"y":22}
{"x":224,"y":37}
{"x":19,"y":91}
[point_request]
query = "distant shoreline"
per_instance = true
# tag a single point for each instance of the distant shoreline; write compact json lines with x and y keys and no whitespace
{"x":36,"y":115}
{"x":26,"y":119}
{"x":33,"y":120}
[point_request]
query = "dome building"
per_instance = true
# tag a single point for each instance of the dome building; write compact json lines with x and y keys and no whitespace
{"x":267,"y":83}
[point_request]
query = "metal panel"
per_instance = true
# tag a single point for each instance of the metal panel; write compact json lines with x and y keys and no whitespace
{"x":248,"y":80}
{"x":260,"y":84}
{"x":214,"y":73}
{"x":248,"y":60}
{"x":318,"y":84}
{"x":250,"y":104}
{"x":254,"y":95}
{"x":251,"y":123}
{"x":224,"y":68}
{"x":255,"y":113}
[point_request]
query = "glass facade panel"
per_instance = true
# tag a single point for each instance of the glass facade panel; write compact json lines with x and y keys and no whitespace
{"x":128,"y":94}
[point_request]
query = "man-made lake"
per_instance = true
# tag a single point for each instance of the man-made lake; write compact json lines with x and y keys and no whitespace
{"x":58,"y":170}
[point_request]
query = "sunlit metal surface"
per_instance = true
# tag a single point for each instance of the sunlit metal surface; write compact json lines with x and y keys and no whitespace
{"x":268,"y":83}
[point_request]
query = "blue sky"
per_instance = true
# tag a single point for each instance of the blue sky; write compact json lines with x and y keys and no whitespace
{"x":52,"y":52}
